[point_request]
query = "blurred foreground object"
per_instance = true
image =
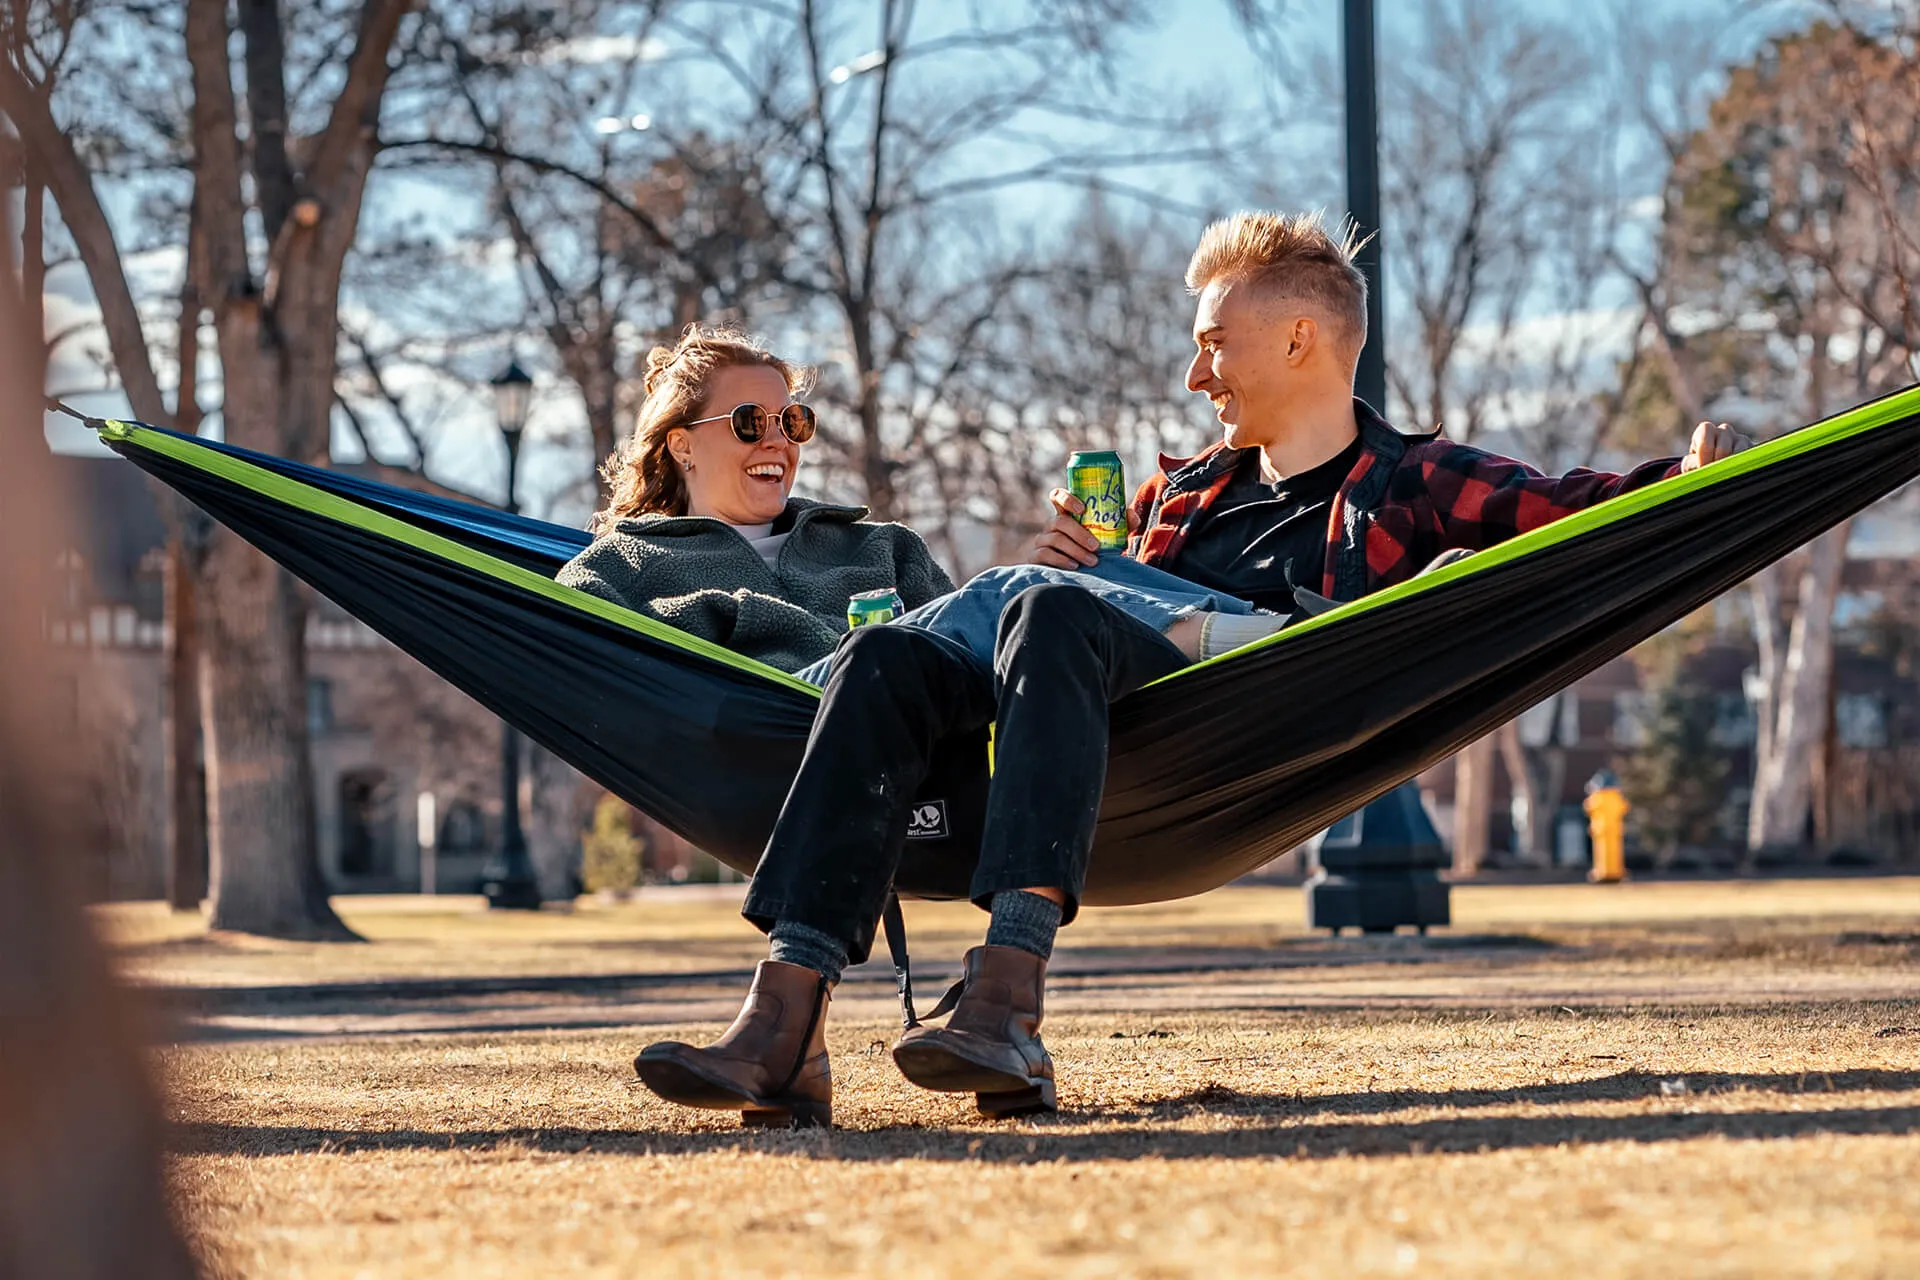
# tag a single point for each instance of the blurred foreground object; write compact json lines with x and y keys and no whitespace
{"x":82,"y":1188}
{"x":1607,"y":810}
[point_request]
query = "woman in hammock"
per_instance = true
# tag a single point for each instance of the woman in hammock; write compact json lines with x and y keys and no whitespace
{"x":701,"y":532}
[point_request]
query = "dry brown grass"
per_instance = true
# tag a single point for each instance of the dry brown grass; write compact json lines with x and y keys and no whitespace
{"x":1677,"y":1087}
{"x":674,"y":931}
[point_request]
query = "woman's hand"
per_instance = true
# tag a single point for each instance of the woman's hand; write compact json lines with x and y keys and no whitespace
{"x":1713,"y":441}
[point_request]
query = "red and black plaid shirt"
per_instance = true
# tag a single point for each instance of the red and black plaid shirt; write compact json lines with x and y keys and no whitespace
{"x":1406,"y":500}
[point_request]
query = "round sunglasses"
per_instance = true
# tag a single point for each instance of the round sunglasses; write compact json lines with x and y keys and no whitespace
{"x":751,"y":422}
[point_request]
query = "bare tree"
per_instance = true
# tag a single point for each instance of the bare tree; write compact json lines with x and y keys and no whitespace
{"x":875,"y":161}
{"x":1475,"y":151}
{"x":276,"y":323}
{"x":645,"y":241}
{"x":1082,"y":347}
{"x":1796,"y":201}
{"x":1501,"y":211}
{"x":274,"y":304}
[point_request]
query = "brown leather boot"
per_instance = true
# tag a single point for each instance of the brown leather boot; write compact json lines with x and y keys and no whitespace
{"x":770,"y":1065}
{"x":991,"y":1046}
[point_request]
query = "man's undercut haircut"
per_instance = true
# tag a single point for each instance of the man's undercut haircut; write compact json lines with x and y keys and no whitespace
{"x":1289,"y":256}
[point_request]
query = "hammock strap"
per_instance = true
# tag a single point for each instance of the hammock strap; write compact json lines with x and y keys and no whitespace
{"x":895,"y":925}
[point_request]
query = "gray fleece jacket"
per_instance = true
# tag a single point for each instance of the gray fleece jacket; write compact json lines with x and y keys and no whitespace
{"x":700,"y":576}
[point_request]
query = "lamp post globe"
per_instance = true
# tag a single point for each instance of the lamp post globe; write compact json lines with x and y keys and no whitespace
{"x":512,"y":394}
{"x":509,"y":882}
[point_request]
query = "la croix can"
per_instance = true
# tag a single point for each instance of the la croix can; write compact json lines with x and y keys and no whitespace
{"x":1098,"y":480}
{"x":883,"y":605}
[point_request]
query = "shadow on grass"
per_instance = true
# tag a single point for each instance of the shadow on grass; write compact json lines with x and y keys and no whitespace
{"x":1301,"y":1128}
{"x":1625,"y":1086}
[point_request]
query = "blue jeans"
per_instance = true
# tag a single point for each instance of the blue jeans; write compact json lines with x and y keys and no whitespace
{"x":971,"y":615}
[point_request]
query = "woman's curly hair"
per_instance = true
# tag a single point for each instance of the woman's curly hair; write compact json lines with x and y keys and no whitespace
{"x":641,"y":476}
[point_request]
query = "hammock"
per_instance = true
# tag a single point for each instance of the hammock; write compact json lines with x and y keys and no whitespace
{"x":1212,"y":771}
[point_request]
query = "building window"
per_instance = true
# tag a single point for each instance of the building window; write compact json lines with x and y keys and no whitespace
{"x":463,"y":829}
{"x":367,"y":818}
{"x":319,"y":706}
{"x":1860,"y":720}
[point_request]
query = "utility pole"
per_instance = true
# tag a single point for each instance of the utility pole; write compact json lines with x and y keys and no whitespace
{"x":1363,"y":190}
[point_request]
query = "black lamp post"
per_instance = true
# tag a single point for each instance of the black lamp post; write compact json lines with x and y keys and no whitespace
{"x":1363,"y":191}
{"x":1378,"y":867}
{"x":509,"y":881}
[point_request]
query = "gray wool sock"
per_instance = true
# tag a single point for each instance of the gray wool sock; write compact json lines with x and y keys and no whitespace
{"x":1024,"y":920}
{"x":801,"y":944}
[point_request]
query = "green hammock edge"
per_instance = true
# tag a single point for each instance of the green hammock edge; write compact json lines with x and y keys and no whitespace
{"x":304,"y":496}
{"x":1856,"y":421}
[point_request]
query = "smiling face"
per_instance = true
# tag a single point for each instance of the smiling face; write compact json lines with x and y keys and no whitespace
{"x":1251,"y":353}
{"x":739,"y":483}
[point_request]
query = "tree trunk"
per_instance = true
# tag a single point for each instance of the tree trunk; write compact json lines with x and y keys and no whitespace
{"x":590,"y":363}
{"x":277,"y":340}
{"x":33,"y":271}
{"x":1783,"y":775}
{"x":555,"y":818}
{"x":1537,"y":775}
{"x":264,"y":854}
{"x":1770,"y":638}
{"x":186,"y":784}
{"x":186,"y":840}
{"x":1472,"y":806}
{"x":875,"y":470}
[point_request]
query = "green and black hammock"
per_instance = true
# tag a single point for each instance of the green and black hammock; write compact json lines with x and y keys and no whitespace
{"x":1213,"y":770}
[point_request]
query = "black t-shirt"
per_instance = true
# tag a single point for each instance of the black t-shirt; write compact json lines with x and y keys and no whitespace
{"x":1260,"y":540}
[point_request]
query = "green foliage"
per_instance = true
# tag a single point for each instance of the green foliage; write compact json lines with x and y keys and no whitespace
{"x":610,"y":853}
{"x":1677,"y":778}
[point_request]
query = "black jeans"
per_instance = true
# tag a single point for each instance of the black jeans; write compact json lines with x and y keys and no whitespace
{"x":895,"y":696}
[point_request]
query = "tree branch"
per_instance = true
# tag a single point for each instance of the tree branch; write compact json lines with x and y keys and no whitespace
{"x":86,"y":222}
{"x":266,"y":57}
{"x":393,"y":401}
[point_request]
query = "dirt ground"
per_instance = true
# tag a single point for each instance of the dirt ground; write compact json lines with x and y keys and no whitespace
{"x":1648,"y":1080}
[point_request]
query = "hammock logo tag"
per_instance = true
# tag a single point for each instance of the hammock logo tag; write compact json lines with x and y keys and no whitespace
{"x":928,"y":821}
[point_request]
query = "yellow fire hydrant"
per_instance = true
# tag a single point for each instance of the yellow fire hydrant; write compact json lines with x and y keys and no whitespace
{"x":1607,"y":811}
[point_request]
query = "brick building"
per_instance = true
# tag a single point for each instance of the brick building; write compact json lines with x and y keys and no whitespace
{"x":385,"y":731}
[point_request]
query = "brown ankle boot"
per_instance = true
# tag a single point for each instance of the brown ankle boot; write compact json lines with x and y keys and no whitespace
{"x":991,"y":1046}
{"x":771,"y":1065}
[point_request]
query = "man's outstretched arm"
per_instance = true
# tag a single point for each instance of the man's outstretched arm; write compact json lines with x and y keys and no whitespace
{"x":1481,"y":499}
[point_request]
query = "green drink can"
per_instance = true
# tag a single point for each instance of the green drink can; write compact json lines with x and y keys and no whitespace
{"x":1097,"y":479}
{"x":883,"y":605}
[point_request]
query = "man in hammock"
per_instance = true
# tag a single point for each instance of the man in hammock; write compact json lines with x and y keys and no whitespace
{"x":1309,"y":490}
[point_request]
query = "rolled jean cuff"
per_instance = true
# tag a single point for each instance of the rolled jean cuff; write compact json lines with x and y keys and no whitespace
{"x":763,"y":912}
{"x":1014,"y":879}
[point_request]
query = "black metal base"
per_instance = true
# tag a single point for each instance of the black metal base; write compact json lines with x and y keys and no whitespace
{"x":512,"y":893}
{"x":1377,"y":901}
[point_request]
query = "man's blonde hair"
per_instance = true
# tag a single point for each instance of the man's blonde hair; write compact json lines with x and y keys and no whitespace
{"x":1289,"y":256}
